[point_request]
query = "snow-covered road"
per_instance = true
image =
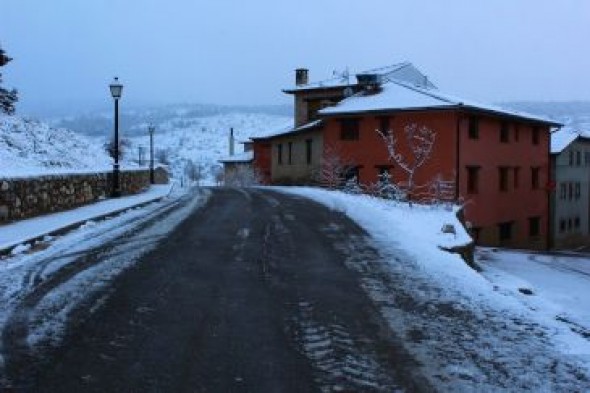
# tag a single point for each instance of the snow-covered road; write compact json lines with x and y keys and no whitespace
{"x":39,"y":290}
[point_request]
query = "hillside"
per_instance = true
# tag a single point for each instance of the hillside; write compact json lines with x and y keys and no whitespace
{"x":29,"y":147}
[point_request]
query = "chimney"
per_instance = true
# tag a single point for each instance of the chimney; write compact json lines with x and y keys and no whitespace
{"x":301,"y":76}
{"x":369,"y":82}
{"x":231,"y":141}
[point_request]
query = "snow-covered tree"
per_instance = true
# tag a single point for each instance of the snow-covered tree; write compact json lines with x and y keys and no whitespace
{"x":7,"y":97}
{"x":387,"y":189}
{"x":333,"y":168}
{"x":419,"y":141}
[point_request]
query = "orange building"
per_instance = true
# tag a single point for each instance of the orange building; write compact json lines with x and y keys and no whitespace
{"x":494,"y":161}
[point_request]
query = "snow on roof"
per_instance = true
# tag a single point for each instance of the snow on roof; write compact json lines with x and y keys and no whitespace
{"x":564,"y":137}
{"x":396,"y":95}
{"x":291,"y":130}
{"x":246,"y":156}
{"x":404,"y":71}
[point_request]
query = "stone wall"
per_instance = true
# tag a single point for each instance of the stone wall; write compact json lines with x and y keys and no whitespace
{"x":29,"y":197}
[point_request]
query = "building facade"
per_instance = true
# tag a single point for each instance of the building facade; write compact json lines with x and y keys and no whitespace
{"x":494,"y":161}
{"x":570,"y":207}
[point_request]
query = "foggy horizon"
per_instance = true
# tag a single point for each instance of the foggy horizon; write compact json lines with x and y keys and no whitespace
{"x":231,"y":53}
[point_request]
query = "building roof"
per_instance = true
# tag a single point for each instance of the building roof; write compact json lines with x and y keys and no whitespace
{"x":562,"y":138}
{"x":404,"y":71}
{"x":246,"y":156}
{"x":292,"y":130}
{"x":401,"y":96}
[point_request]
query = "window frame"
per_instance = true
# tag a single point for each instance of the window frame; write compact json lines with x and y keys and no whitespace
{"x":308,"y":151}
{"x":504,"y":132}
{"x":473,"y":181}
{"x":534,"y":226}
{"x":535,"y":177}
{"x":280,"y":154}
{"x":503,"y":178}
{"x":350,"y":129}
{"x":473,"y":127}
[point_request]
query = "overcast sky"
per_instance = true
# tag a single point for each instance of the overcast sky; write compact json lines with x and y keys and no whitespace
{"x":244,"y":52}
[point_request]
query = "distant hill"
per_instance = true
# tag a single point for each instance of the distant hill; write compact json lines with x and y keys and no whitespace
{"x":134,"y":120}
{"x":574,"y":114}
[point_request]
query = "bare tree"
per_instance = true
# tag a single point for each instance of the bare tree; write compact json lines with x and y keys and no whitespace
{"x":333,"y":168}
{"x":162,"y":156}
{"x":194,"y":171}
{"x":124,"y":144}
{"x":419,"y":141}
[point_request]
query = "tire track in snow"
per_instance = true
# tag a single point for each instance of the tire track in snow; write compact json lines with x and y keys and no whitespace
{"x":16,"y":346}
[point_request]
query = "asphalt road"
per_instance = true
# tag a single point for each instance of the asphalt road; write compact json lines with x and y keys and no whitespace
{"x":249,"y":294}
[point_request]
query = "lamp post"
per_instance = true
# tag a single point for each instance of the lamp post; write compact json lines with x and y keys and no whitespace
{"x":116,"y":90}
{"x":151,"y":130}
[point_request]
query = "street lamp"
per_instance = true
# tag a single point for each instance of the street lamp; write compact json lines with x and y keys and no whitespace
{"x":116,"y":90}
{"x":151,"y":130}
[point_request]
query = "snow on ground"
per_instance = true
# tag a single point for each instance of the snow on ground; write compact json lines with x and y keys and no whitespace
{"x":29,"y":147}
{"x":560,"y":283}
{"x":22,"y":231}
{"x":61,"y":278}
{"x":205,"y":140}
{"x":467,"y":333}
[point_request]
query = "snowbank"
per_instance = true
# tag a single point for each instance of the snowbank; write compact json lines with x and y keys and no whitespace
{"x":467,"y":334}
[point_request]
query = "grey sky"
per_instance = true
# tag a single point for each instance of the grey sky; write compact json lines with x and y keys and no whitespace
{"x":243,"y":52}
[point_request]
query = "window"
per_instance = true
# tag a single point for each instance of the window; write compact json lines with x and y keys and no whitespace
{"x":563,"y":191}
{"x":351,"y":173}
{"x":578,"y":158}
{"x":587,"y":158}
{"x":577,"y":190}
{"x":308,"y":150}
{"x":473,"y":179}
{"x":475,"y":233}
{"x":504,"y":132}
{"x":535,"y":171}
{"x":290,"y":153}
{"x":516,"y":172}
{"x":536,"y":135}
{"x":562,"y":225}
{"x":576,"y":222}
{"x":280,"y":153}
{"x":571,"y":158}
{"x":473,"y":127}
{"x":384,"y":123}
{"x":571,"y":191}
{"x":503,"y":178}
{"x":349,"y":129}
{"x":534,"y":226}
{"x":505,"y":231}
{"x":569,"y":224}
{"x":516,"y":132}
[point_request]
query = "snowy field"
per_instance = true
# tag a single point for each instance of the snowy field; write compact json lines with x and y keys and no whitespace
{"x":559,"y":283}
{"x":471,"y":332}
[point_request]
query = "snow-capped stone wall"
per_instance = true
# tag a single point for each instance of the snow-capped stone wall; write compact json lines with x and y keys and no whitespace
{"x":33,"y":196}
